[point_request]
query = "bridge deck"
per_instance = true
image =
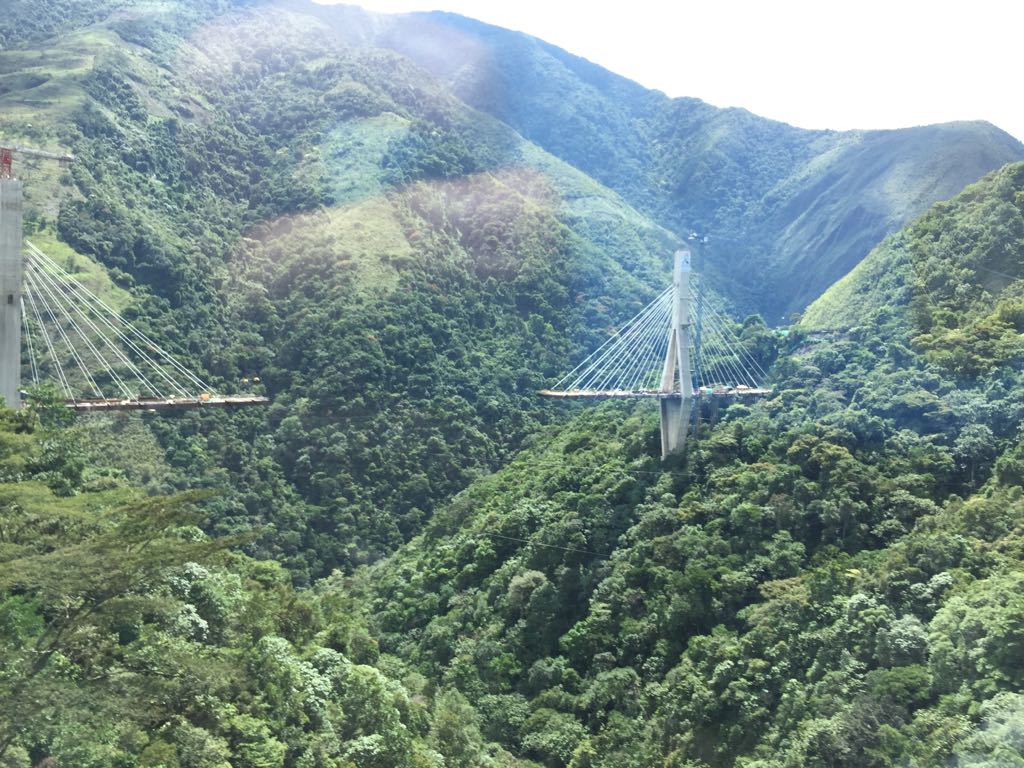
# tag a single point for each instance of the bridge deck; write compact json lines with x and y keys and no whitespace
{"x":653,"y":393}
{"x":166,"y":403}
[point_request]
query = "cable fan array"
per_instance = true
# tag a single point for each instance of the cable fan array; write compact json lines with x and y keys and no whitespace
{"x":74,"y":337}
{"x":630,"y":362}
{"x":723,"y":360}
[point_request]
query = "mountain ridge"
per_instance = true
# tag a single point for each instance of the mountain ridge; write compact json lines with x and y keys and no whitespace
{"x":655,"y":170}
{"x":802,"y":205}
{"x":247,"y":177}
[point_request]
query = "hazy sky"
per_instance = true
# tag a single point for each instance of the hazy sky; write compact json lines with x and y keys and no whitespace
{"x":821,"y":64}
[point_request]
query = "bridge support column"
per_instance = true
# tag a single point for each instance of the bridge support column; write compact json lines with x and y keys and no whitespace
{"x":675,"y":409}
{"x":675,"y":422}
{"x":10,"y":291}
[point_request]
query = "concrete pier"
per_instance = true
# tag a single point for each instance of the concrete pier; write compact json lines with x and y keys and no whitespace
{"x":675,"y":412}
{"x":10,"y":291}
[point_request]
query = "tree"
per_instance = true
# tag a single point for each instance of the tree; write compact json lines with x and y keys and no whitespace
{"x":974,"y":445}
{"x":73,"y":600}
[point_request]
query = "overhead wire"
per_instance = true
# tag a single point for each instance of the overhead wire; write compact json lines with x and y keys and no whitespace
{"x":647,"y":364}
{"x":724,"y":319}
{"x":69,"y":310}
{"x":738,"y":352}
{"x":585,"y":366}
{"x":614,"y":370}
{"x":628,"y":361}
{"x":612,"y":348}
{"x":88,"y":306}
{"x":114,"y":348}
{"x":710,"y":373}
{"x":993,"y":271}
{"x":540,"y":544}
{"x":648,"y":376}
{"x":729,"y":359}
{"x":725,"y":366}
{"x":627,"y":346}
{"x":597,"y":357}
{"x":634,"y":373}
{"x":721,"y":313}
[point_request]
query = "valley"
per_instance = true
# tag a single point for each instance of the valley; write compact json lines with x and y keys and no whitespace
{"x":399,"y":229}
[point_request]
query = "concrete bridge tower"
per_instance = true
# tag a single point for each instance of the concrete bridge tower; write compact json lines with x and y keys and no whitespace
{"x":675,"y":408}
{"x":10,"y":291}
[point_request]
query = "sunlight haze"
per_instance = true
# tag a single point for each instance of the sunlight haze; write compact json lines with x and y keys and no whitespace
{"x":811,"y":64}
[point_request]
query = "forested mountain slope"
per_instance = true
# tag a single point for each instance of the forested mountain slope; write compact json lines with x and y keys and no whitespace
{"x":399,"y":271}
{"x":288,"y":200}
{"x":130,"y":638}
{"x":950,"y":288}
{"x":789,"y":210}
{"x":830,"y":577}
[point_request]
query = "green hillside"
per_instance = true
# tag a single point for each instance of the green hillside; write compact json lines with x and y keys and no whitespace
{"x":829,"y":577}
{"x":130,"y":638}
{"x":957,"y":295}
{"x":289,"y":201}
{"x":409,"y":560}
{"x":400,"y":272}
{"x":790,"y":211}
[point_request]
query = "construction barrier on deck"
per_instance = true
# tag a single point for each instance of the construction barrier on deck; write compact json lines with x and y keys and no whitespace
{"x":166,"y":403}
{"x":632,"y":393}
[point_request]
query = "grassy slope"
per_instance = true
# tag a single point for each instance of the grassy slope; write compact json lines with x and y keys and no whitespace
{"x":25,"y":21}
{"x":790,"y":210}
{"x":912,"y":270}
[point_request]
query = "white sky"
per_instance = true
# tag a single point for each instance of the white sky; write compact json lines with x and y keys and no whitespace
{"x":814,"y":64}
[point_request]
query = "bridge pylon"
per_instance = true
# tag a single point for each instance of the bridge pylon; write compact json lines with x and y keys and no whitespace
{"x":676,"y":376}
{"x":10,"y":291}
{"x":650,"y":356}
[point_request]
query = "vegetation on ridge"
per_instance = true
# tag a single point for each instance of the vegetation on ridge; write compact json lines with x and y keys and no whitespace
{"x":827,"y":578}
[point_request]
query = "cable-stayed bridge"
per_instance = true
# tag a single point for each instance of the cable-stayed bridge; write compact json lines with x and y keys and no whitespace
{"x":52,"y":328}
{"x":664,"y":353}
{"x":98,"y":359}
